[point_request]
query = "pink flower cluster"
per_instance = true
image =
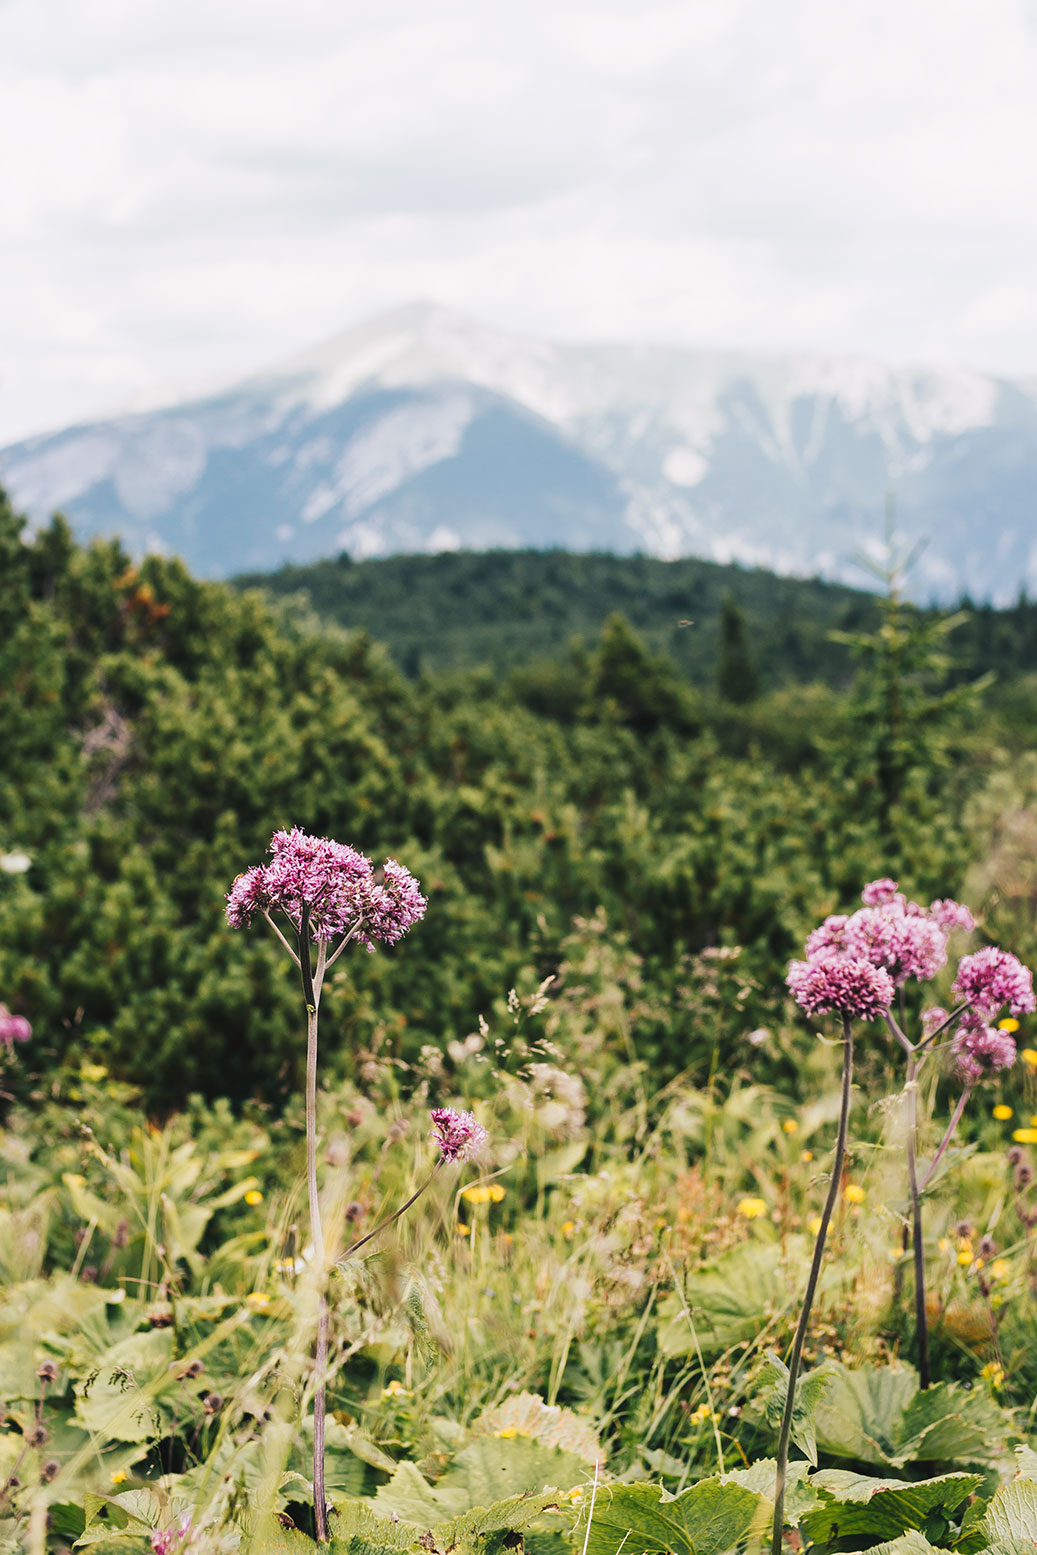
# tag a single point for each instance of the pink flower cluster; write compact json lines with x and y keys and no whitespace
{"x":991,"y":978}
{"x":841,"y":985}
{"x":13,"y":1028}
{"x":336,"y":882}
{"x":980,"y":1049}
{"x":165,"y":1540}
{"x":889,"y":934}
{"x":457,"y":1134}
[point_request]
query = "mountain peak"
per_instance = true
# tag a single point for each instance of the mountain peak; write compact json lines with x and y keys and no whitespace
{"x":424,"y":429}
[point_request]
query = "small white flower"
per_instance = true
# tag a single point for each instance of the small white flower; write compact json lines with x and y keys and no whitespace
{"x":15,"y":863}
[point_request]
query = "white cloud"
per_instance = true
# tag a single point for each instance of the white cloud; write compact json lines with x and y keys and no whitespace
{"x":191,"y":190}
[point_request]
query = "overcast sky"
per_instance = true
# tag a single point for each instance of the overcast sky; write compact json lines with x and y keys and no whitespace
{"x":191,"y":188}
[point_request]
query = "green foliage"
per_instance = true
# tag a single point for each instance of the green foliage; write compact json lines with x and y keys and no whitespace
{"x":711,"y":1518}
{"x":737,"y":679}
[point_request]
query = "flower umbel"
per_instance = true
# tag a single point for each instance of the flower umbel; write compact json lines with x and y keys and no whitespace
{"x":13,"y":1028}
{"x":336,"y":883}
{"x":980,"y":1049}
{"x":457,"y":1134}
{"x":845,"y":986}
{"x":991,"y":978}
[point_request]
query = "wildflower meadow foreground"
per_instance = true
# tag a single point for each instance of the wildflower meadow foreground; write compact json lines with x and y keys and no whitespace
{"x":512,"y":1294}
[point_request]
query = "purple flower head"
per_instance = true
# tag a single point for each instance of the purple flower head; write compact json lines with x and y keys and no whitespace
{"x":247,"y":896}
{"x":980,"y":1049}
{"x":933,"y":1019}
{"x":990,"y":978}
{"x":907,"y":944}
{"x":830,"y":938}
{"x":390,"y":909}
{"x":13,"y":1028}
{"x":951,"y":915}
{"x":843,"y":985}
{"x":457,"y":1134}
{"x":337,"y":885}
{"x":878,"y":892}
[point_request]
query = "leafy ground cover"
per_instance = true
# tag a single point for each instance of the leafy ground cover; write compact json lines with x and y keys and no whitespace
{"x":579,"y":1340}
{"x":593,"y":1313}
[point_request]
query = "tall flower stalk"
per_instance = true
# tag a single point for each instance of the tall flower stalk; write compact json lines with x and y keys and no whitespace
{"x":326,"y":894}
{"x":854,"y":965}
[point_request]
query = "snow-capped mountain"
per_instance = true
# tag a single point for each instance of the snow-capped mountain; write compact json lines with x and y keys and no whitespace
{"x":422,"y":430}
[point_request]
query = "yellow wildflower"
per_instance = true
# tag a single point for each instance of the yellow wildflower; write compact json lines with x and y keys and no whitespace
{"x":965,"y":1256}
{"x":700,"y":1415}
{"x":575,"y":1494}
{"x":1008,"y":1024}
{"x":93,"y":1073}
{"x":1000,"y":1269}
{"x":1029,"y":1057}
{"x":994,"y":1374}
{"x":853,"y":1193}
{"x":119,"y":1477}
{"x":1001,"y":1112}
{"x":814,"y":1225}
{"x":944,"y":1245}
{"x":394,"y":1389}
{"x":790,"y":1126}
{"x":1025,"y":1136}
{"x":807,"y":1155}
{"x":751,"y":1208}
{"x":569,"y":1230}
{"x":496,"y":1192}
{"x":462,"y":1229}
{"x":478,"y":1193}
{"x":257,"y":1300}
{"x":253,"y":1197}
{"x":507,"y":1432}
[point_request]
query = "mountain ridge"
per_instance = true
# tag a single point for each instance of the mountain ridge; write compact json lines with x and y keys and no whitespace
{"x":422,"y":430}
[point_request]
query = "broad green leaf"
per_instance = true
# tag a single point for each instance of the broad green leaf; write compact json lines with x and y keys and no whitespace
{"x":1012,"y":1514}
{"x":729,"y":1301}
{"x":269,"y":1536}
{"x":512,"y":1515}
{"x":800,"y":1495}
{"x":119,"y":1397}
{"x":708,"y":1519}
{"x":951,"y":1424}
{"x":856,"y":1504}
{"x":861,"y":1413}
{"x":912,"y":1543}
{"x":409,"y":1496}
{"x":811,"y":1388}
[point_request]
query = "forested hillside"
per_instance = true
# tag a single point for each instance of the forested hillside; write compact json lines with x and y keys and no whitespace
{"x":606,"y":817}
{"x":502,"y":608}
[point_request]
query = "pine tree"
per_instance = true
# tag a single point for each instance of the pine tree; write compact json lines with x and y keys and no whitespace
{"x":737,"y":680}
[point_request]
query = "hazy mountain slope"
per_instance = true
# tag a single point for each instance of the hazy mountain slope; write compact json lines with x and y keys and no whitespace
{"x":422,"y":430}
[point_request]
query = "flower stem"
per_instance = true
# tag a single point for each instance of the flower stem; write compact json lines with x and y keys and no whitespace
{"x":918,"y":1244}
{"x":320,"y":1361}
{"x":798,"y":1342}
{"x":355,"y":1246}
{"x":945,"y":1141}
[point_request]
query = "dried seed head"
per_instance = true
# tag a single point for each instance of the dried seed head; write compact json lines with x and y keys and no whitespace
{"x":48,"y":1372}
{"x":212,"y":1403}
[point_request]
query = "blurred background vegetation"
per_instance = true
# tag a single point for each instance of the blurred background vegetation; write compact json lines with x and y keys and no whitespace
{"x":539,"y":737}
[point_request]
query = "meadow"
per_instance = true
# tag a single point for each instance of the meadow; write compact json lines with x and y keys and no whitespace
{"x":578,"y":1336}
